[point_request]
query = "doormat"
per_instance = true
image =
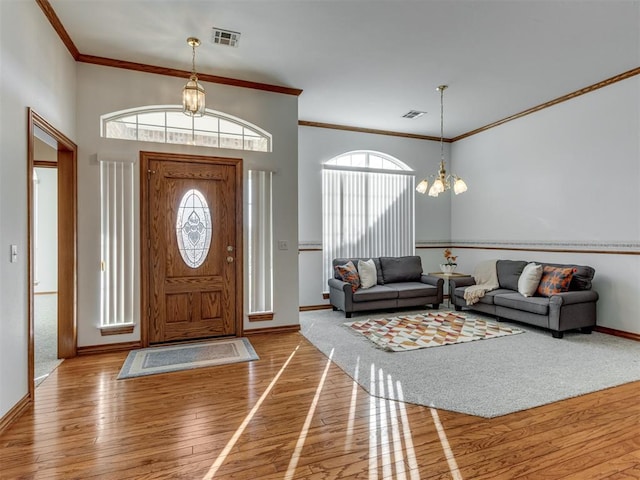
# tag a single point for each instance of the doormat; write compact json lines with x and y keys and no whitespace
{"x":149,"y":361}
{"x":400,"y":334}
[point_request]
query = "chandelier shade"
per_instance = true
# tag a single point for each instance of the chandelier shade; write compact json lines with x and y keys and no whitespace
{"x":193,"y":96}
{"x":442,"y":180}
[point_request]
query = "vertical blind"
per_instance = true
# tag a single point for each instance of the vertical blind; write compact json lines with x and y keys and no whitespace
{"x":260,"y":242}
{"x":366,"y":214}
{"x":117,"y":230}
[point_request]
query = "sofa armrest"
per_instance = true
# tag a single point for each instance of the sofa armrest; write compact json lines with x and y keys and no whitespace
{"x":340,"y":285}
{"x":571,"y":298}
{"x":341,"y":295}
{"x":432,"y":280}
{"x":455,"y":282}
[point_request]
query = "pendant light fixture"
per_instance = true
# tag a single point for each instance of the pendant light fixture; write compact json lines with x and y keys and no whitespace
{"x":193,"y":92}
{"x":442,"y":180}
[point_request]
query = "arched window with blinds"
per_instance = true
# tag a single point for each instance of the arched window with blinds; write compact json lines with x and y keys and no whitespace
{"x":368,"y":207}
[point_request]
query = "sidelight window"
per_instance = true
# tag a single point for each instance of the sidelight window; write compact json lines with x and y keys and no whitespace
{"x":260,"y":233}
{"x":117,"y":227}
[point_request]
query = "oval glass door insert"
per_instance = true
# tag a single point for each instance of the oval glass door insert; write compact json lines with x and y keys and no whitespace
{"x":193,"y":228}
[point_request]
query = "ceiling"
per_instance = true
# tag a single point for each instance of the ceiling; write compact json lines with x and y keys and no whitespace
{"x":365,"y":63}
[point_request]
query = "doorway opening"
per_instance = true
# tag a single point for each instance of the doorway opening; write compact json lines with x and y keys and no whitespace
{"x":52,"y":248}
{"x":45,"y":256}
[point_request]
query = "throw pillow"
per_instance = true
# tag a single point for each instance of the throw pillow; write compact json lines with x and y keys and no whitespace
{"x":348,"y":273}
{"x":554,"y":280}
{"x":368,"y":273}
{"x":529,"y":279}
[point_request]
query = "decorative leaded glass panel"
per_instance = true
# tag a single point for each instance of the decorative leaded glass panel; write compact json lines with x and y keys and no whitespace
{"x":193,"y":228}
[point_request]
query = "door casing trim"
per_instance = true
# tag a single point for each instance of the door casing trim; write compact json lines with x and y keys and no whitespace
{"x":67,"y":155}
{"x":145,"y":158}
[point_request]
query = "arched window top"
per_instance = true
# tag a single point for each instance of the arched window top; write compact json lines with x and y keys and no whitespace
{"x":167,"y":124}
{"x":367,"y":160}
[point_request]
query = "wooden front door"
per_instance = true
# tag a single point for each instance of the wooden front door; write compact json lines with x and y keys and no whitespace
{"x":194,"y":261}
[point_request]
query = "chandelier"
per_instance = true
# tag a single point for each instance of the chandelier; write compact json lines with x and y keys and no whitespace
{"x":442,"y":180}
{"x":193,"y":92}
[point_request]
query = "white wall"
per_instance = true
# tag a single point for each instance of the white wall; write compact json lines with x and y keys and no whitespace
{"x":567,"y":178}
{"x":316,"y":146}
{"x":104,"y":90}
{"x":36,"y":71}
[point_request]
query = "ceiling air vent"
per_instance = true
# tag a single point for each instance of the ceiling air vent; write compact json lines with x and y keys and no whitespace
{"x":225,"y":37}
{"x":413,"y":114}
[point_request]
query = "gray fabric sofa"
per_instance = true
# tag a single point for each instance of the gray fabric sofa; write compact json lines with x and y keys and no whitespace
{"x":575,"y":309}
{"x":400,"y":283}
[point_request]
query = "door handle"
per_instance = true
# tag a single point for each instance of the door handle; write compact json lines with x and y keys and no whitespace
{"x":229,"y":259}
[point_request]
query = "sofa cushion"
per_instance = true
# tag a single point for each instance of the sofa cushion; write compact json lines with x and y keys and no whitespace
{"x":509,"y":272}
{"x":376,"y":261}
{"x":401,"y":269}
{"x":530,"y":279}
{"x":367,"y":272}
{"x":554,"y":280}
{"x":348,"y":273}
{"x":413,"y":289}
{"x":377,"y":292}
{"x":539,"y":305}
{"x":488,"y":296}
{"x":582,"y":275}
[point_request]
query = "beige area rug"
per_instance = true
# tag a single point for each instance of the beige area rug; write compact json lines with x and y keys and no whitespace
{"x":411,"y":332}
{"x":149,"y":361}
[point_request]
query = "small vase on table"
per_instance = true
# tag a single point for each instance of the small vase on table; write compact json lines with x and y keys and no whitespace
{"x":447,"y":268}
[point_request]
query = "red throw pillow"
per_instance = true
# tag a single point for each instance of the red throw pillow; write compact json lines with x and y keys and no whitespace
{"x":348,"y":273}
{"x":554,"y":280}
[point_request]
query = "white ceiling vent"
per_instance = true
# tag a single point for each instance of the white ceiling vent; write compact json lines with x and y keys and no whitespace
{"x":413,"y":114}
{"x":225,"y":37}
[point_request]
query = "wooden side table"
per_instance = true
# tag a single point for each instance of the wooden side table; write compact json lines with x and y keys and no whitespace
{"x":446,"y":277}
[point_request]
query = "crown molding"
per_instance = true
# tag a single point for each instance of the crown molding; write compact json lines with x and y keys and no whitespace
{"x":172,"y":72}
{"x":55,"y":22}
{"x":333,"y":126}
{"x":604,"y":83}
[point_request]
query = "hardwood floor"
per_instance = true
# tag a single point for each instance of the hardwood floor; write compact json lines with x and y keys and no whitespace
{"x":294,"y":415}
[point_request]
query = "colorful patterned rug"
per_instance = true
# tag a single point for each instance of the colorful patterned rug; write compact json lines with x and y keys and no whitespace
{"x":400,"y":334}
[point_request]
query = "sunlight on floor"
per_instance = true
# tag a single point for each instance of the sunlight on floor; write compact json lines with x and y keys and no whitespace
{"x":391,"y":450}
{"x":352,"y":407}
{"x":231,"y":443}
{"x":291,"y":469}
{"x":373,"y":427}
{"x":406,"y":430}
{"x":453,"y":466}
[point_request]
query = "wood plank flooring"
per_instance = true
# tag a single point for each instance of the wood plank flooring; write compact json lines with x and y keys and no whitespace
{"x":295,"y":415}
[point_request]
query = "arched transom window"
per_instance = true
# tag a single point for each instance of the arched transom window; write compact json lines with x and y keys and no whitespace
{"x":367,"y":160}
{"x":167,"y":124}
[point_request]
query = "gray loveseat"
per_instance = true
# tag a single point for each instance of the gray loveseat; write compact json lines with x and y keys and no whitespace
{"x":575,"y":309}
{"x":400,"y":283}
